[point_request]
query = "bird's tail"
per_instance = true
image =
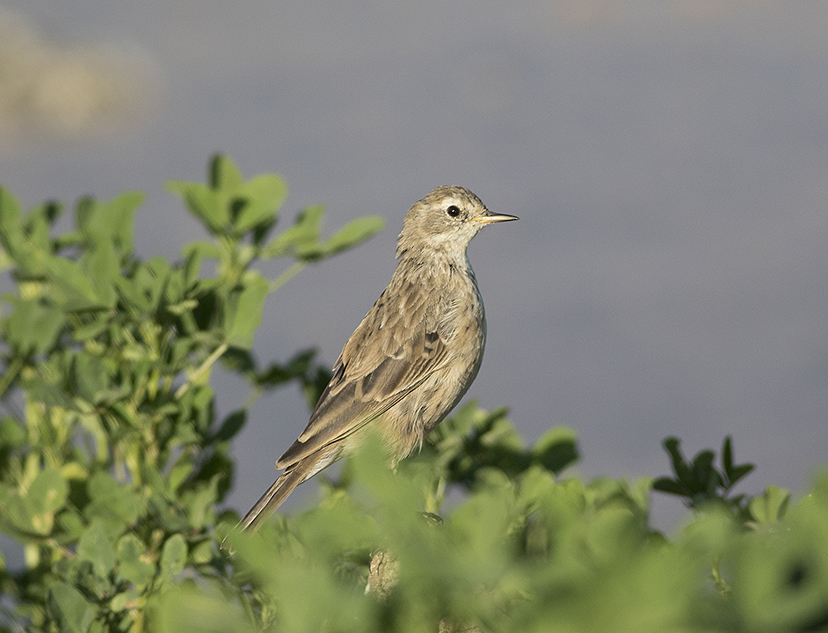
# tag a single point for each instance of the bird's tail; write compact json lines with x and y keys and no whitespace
{"x":277,"y":493}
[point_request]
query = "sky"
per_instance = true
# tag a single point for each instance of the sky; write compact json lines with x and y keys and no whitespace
{"x":667,"y":159}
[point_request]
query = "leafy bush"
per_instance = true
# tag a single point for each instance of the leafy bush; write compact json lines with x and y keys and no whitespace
{"x":112,"y":465}
{"x":112,"y":460}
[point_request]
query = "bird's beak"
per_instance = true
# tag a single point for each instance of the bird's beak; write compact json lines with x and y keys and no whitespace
{"x":488,"y":219}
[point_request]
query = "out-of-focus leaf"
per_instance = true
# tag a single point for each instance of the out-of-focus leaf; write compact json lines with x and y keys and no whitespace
{"x":302,"y":238}
{"x":238,"y":360}
{"x":353,"y":233}
{"x":114,"y":504}
{"x":770,"y":506}
{"x":186,"y":610}
{"x":262,"y":197}
{"x":16,"y":514}
{"x":232,"y":424}
{"x":76,"y":287}
{"x":200,"y":503}
{"x":45,"y":496}
{"x":11,"y":229}
{"x":223,"y":173}
{"x":670,"y":486}
{"x":556,"y":449}
{"x":90,"y":376}
{"x":173,"y":556}
{"x":277,"y":374}
{"x":12,"y":433}
{"x":204,"y":203}
{"x":69,"y":609}
{"x":121,"y":211}
{"x":244,"y":310}
{"x":133,"y":561}
{"x":33,"y":326}
{"x":96,"y":547}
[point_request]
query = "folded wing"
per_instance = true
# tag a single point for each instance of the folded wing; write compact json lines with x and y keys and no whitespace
{"x":391,"y":352}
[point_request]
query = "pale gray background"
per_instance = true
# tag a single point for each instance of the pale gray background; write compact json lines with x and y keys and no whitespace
{"x":668,"y":160}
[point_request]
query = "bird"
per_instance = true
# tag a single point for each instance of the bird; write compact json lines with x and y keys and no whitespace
{"x":413,"y":356}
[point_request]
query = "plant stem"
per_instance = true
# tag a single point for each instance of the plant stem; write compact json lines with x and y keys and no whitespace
{"x":9,"y":376}
{"x":286,"y":276}
{"x":208,"y":362}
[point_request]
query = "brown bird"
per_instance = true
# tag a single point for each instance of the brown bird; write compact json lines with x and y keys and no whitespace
{"x":414,"y":355}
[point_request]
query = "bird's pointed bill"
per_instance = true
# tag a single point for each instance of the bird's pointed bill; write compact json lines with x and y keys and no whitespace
{"x":488,"y":219}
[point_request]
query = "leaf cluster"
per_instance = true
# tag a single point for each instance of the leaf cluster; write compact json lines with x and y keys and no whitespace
{"x":700,"y":483}
{"x":524,"y":549}
{"x":112,"y":458}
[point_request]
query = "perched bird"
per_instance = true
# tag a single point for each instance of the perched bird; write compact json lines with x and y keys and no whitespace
{"x":414,"y":355}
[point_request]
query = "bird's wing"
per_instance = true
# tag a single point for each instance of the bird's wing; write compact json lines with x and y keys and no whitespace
{"x":395,"y":348}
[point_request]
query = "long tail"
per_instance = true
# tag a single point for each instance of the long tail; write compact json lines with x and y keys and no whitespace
{"x":278,"y":492}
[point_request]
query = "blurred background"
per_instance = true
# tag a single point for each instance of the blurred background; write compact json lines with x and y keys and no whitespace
{"x":668,"y":160}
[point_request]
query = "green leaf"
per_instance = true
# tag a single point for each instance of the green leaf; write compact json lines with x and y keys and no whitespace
{"x":69,"y":609}
{"x":739,"y":472}
{"x":120,"y":214}
{"x":188,"y":610}
{"x":204,"y":203}
{"x":727,"y":456}
{"x":133,"y":561}
{"x":179,"y":473}
{"x":244,"y":310}
{"x":126,"y":600}
{"x":33,"y":326}
{"x":353,"y":233}
{"x":92,"y":329}
{"x":78,"y":290}
{"x":670,"y":486}
{"x":84,"y":212}
{"x":173,"y":556}
{"x":111,"y":221}
{"x":200,"y":503}
{"x":262,"y":196}
{"x":70,"y":524}
{"x":114,"y":504}
{"x":6,"y":261}
{"x":38,"y":228}
{"x":535,"y":483}
{"x":232,"y":424}
{"x":102,"y":266}
{"x":48,"y":394}
{"x":201,"y":249}
{"x":45,"y":496}
{"x":16,"y":513}
{"x":11,"y":229}
{"x":703,"y":464}
{"x":680,"y":467}
{"x":223,"y":173}
{"x":192,"y":266}
{"x":770,"y":506}
{"x":90,"y":376}
{"x":12,"y":433}
{"x":302,"y":237}
{"x":239,"y":361}
{"x":556,"y":449}
{"x":296,"y":367}
{"x":95,"y":547}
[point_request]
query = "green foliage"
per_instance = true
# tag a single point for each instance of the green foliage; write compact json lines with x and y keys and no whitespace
{"x":113,"y":464}
{"x":112,"y":460}
{"x":700,"y":483}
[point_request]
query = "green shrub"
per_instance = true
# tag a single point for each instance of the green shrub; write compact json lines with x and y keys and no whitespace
{"x":113,"y":465}
{"x":112,"y":460}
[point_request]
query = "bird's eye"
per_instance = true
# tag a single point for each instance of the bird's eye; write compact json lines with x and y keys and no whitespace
{"x":453,"y":211}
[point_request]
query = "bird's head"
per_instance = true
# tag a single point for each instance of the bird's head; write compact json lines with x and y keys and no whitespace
{"x":445,"y":221}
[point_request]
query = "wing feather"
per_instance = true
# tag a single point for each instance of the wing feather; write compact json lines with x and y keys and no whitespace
{"x":397,"y":346}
